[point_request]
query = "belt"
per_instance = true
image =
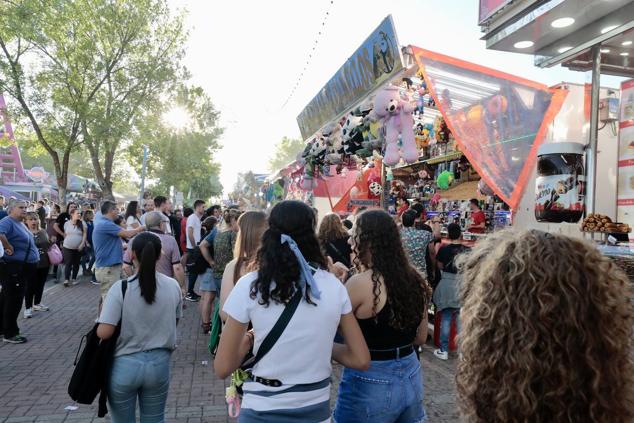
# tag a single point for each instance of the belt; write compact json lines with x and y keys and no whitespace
{"x":393,"y":354}
{"x":267,"y":382}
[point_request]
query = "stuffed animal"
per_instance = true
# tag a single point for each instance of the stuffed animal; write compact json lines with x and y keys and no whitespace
{"x":396,"y":114}
{"x":352,"y":138}
{"x":444,"y":179}
{"x":308,"y":181}
{"x":374,"y":186}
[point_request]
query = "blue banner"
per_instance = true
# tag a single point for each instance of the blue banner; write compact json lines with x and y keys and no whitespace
{"x":376,"y":61}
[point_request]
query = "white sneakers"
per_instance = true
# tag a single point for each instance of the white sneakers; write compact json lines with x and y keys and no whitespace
{"x":40,"y":307}
{"x":443,"y":355}
{"x":28,"y":313}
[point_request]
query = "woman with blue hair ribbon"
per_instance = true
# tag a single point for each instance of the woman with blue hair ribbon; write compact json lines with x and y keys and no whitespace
{"x":291,"y":382}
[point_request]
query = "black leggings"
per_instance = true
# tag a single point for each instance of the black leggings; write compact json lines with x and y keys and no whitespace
{"x":71,"y":262}
{"x":35,"y":287}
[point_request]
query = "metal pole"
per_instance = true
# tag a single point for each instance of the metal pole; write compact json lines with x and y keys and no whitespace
{"x":143,"y":170}
{"x":591,"y":153}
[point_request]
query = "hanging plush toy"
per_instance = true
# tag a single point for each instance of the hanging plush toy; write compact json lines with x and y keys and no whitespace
{"x":374,"y":186}
{"x":444,"y":179}
{"x":396,"y":114}
{"x":420,"y":102}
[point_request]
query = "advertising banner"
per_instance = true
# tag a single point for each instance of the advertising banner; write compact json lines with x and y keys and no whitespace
{"x":376,"y":61}
{"x":498,"y":120}
{"x":489,"y":7}
{"x":625,"y":197}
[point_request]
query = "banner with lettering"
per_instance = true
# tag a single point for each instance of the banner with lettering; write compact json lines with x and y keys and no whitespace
{"x":625,"y":197}
{"x":376,"y":61}
{"x":498,"y":120}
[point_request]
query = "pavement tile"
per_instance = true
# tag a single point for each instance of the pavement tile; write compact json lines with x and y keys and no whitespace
{"x":35,"y":375}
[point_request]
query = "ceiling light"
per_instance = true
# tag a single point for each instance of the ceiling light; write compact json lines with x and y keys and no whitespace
{"x":609,"y":28}
{"x":564,"y":49}
{"x":562,"y":22}
{"x":605,"y":50}
{"x":625,"y":54}
{"x":523,"y":44}
{"x":626,"y":43}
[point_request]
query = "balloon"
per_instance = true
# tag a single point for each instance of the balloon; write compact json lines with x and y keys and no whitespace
{"x":444,"y":179}
{"x":474,"y":115}
{"x":497,"y":104}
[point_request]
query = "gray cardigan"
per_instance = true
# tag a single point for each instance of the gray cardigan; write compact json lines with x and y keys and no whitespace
{"x":447,"y":293}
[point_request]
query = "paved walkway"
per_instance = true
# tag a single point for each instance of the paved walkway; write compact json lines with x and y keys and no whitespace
{"x":34,"y":376}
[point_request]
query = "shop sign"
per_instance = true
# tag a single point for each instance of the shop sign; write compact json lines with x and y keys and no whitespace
{"x":376,"y":61}
{"x":37,"y":174}
{"x":625,"y":196}
{"x":489,"y":7}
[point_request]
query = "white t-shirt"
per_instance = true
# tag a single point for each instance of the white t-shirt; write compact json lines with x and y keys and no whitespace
{"x":193,"y":221}
{"x":168,"y":226}
{"x":303,"y":353}
{"x":131,"y":220}
{"x":73,"y":235}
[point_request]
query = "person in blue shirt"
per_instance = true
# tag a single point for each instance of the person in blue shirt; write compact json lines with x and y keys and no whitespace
{"x":20,"y":261}
{"x":3,"y":212}
{"x":106,"y":242}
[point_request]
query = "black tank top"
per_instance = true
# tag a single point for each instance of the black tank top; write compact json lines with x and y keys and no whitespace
{"x":379,"y":335}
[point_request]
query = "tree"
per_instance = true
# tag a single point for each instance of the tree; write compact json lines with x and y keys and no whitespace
{"x":82,"y":71}
{"x":181,"y":157}
{"x":285,"y":152}
{"x":136,"y":86}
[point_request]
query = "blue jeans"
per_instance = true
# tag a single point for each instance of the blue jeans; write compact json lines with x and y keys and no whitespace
{"x":445,"y":326}
{"x":88,"y":258}
{"x":390,"y":391}
{"x":144,"y":374}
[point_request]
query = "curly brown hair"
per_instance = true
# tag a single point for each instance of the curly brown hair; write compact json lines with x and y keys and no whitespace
{"x":546,"y":332}
{"x":378,"y":246}
{"x":331,"y":229}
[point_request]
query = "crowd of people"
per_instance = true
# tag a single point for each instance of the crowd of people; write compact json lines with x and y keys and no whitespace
{"x":544,"y":321}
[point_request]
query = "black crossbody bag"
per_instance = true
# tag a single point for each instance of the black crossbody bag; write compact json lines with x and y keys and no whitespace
{"x":92,"y":368}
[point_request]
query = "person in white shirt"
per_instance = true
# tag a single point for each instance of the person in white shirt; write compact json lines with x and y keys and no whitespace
{"x":193,"y":236}
{"x":161,"y":204}
{"x":292,"y":381}
{"x":133,"y":216}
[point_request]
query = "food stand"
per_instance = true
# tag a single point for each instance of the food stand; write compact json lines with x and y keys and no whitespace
{"x":596,"y":37}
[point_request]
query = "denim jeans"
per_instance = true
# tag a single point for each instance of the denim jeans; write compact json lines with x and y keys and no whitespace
{"x":390,"y":391}
{"x":88,"y":258}
{"x":445,"y":326}
{"x":144,"y":374}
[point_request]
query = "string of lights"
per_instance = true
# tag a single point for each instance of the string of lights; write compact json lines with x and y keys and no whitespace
{"x":311,"y":53}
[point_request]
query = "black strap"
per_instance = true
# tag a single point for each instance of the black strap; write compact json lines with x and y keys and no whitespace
{"x":124,"y":288}
{"x":278,"y":328}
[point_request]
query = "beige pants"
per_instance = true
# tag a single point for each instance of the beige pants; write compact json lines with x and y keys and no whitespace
{"x":107,"y":276}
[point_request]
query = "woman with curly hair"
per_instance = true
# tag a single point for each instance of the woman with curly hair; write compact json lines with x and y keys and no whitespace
{"x":546,"y":332}
{"x":292,"y":381}
{"x":389,"y":298}
{"x":333,"y":238}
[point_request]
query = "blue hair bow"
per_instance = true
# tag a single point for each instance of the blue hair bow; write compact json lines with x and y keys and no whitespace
{"x":306,"y":276}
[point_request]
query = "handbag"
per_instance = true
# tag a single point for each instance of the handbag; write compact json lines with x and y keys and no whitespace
{"x":55,"y":255}
{"x":92,"y":369}
{"x":216,"y":330}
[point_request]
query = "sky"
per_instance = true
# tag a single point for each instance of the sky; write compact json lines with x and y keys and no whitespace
{"x":249,"y":55}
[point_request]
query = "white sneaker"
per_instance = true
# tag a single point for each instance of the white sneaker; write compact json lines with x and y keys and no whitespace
{"x":443,"y":355}
{"x":40,"y":307}
{"x":74,"y":282}
{"x":28,"y":313}
{"x":66,"y":283}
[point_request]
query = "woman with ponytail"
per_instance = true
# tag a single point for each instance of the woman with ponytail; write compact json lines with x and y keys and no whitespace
{"x":148,"y":314}
{"x":291,"y":382}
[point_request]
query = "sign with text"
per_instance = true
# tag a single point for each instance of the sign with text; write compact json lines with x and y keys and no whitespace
{"x":489,"y":7}
{"x":376,"y":61}
{"x":625,"y":196}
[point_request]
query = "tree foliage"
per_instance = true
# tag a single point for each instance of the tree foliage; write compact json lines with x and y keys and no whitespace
{"x":181,"y":157}
{"x":285,"y":152}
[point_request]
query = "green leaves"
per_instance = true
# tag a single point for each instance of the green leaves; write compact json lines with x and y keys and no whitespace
{"x":285,"y":152}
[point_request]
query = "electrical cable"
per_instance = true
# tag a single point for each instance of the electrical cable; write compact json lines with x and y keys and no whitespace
{"x":311,"y":53}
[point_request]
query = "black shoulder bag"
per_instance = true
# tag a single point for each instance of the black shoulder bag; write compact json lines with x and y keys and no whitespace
{"x":92,"y":369}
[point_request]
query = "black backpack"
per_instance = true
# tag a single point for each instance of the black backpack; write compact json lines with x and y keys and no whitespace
{"x":92,"y":369}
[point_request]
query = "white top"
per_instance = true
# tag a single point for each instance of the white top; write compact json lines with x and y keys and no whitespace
{"x":303,"y":353}
{"x":144,"y":326}
{"x":168,"y":226}
{"x":131,"y":220}
{"x":73,"y":235}
{"x":193,"y":221}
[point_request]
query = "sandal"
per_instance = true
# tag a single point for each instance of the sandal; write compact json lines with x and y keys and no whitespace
{"x":206,"y":328}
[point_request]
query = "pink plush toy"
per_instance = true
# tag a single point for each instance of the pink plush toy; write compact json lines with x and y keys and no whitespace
{"x":396,"y":114}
